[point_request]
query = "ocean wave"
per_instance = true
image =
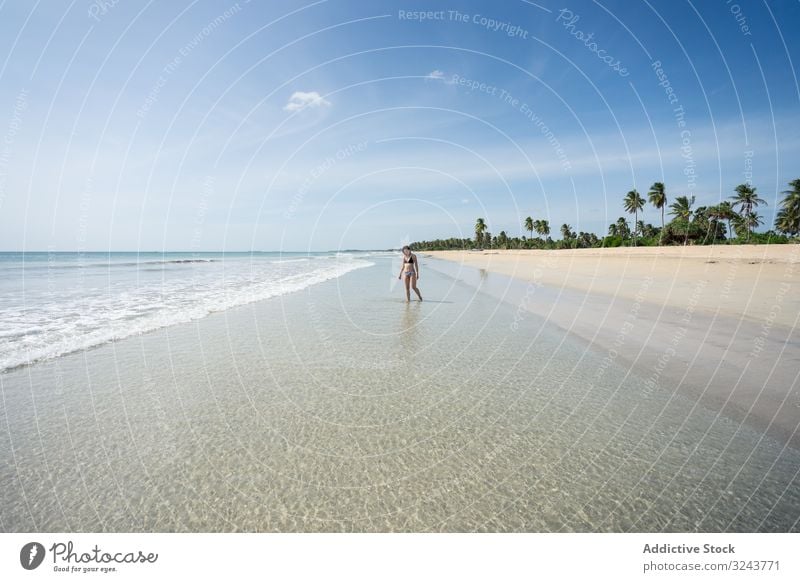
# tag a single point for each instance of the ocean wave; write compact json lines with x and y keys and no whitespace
{"x":75,"y":325}
{"x":282,"y":261}
{"x":39,"y":266}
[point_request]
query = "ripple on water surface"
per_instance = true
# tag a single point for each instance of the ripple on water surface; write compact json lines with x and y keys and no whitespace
{"x":339,"y":408}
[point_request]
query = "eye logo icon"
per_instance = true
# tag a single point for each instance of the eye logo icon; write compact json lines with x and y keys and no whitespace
{"x":31,"y":555}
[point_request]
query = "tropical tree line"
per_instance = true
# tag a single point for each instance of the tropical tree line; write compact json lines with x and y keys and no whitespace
{"x":732,"y":221}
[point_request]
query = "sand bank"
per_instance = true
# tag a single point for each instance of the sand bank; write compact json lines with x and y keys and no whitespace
{"x":718,"y":324}
{"x":757,"y":282}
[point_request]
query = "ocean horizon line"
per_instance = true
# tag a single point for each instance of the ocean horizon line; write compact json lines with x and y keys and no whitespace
{"x":197,"y":251}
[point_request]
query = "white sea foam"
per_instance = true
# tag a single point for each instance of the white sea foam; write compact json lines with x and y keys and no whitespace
{"x":60,"y":314}
{"x":279,"y":261}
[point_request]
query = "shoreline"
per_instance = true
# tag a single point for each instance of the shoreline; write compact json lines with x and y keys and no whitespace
{"x":743,"y":366}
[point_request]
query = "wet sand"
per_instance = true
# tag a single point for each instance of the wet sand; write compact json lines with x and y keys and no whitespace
{"x":718,"y":324}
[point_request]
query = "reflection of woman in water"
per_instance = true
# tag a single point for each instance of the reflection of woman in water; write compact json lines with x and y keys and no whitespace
{"x":410,"y":272}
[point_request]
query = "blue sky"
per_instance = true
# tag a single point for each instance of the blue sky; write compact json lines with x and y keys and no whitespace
{"x":342,"y":124}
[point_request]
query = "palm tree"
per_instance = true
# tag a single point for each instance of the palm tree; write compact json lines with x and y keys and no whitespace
{"x":480,"y":228}
{"x":529,"y":225}
{"x":566,"y":232}
{"x":542,"y":227}
{"x":788,"y":221}
{"x":648,"y":230}
{"x":724,"y":211}
{"x":788,"y":218}
{"x":502,"y":239}
{"x":537,"y":226}
{"x":715,"y":214}
{"x":623,"y":230}
{"x":658,"y":198}
{"x":743,"y":224}
{"x":589,"y":239}
{"x":682,"y":209}
{"x":754,"y":221}
{"x":747,"y":199}
{"x":633,"y":204}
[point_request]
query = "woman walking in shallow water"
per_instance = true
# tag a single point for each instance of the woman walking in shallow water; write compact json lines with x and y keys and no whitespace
{"x":410,"y":272}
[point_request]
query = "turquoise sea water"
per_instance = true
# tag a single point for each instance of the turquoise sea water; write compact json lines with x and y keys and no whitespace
{"x":340,"y":407}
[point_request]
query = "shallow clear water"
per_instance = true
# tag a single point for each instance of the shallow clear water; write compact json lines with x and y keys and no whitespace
{"x":340,"y":407}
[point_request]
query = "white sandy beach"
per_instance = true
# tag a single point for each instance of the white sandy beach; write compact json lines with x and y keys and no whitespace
{"x":757,"y":282}
{"x":716,"y":323}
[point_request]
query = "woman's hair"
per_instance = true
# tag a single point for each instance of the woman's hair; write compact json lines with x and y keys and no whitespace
{"x":406,"y":247}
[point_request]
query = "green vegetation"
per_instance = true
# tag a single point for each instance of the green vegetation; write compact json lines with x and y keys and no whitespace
{"x":788,"y":218}
{"x":731,"y":221}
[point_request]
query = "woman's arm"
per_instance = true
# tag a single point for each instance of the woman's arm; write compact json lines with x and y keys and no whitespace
{"x":416,"y":265}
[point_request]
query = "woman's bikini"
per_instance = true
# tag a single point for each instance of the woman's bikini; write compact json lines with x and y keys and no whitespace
{"x":409,"y":261}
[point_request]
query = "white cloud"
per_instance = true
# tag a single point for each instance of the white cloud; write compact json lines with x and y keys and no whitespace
{"x":438,"y":75}
{"x":300,"y":99}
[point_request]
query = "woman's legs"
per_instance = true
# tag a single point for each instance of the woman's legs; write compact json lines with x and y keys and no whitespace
{"x":414,"y":287}
{"x":407,"y":282}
